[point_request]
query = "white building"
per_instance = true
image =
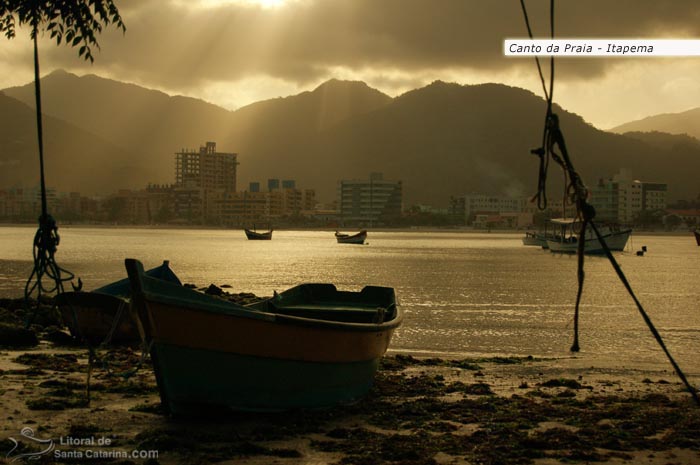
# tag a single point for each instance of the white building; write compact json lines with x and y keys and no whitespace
{"x":622,"y":198}
{"x":469,"y":205}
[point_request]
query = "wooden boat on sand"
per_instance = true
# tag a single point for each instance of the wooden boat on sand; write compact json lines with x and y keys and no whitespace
{"x":358,"y":238}
{"x":253,"y":235}
{"x":310,"y":346}
{"x":103,"y":315}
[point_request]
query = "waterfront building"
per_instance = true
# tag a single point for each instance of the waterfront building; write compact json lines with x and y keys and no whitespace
{"x":22,"y":204}
{"x":74,"y":206}
{"x":201,"y":178}
{"x":308,"y":200}
{"x":468,"y":206}
{"x":250,"y":207}
{"x":206,"y":168}
{"x":273,"y":184}
{"x":690,"y":216}
{"x":621,"y":198}
{"x":243,"y":208}
{"x":504,"y":220}
{"x":370,"y":201}
{"x":555,"y":207}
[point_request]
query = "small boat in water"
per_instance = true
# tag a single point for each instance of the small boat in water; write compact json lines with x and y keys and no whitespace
{"x":253,"y":235}
{"x":536,"y":238}
{"x":310,"y":346}
{"x":566,"y":239}
{"x":102,"y":315}
{"x":358,"y":238}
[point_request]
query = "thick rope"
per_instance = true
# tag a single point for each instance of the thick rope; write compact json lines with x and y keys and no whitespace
{"x":645,"y":316}
{"x":553,"y":139}
{"x":46,"y":239}
{"x":39,"y":125}
{"x":93,"y":354}
{"x":541,"y":196}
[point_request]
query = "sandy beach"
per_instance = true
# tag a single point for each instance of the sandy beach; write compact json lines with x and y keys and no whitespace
{"x":421,"y":411}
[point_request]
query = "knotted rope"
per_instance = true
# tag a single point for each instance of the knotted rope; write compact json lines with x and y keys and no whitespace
{"x":46,"y":239}
{"x":552,"y":143}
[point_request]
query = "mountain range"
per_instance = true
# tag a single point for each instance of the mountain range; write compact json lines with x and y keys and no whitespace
{"x":440,"y":140}
{"x":686,"y":122}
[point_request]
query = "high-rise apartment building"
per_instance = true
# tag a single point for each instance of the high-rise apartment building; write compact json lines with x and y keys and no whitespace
{"x":201,"y":177}
{"x":369,"y":201}
{"x":206,"y":168}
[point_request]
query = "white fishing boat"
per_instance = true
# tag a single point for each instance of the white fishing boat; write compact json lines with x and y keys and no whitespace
{"x":566,"y":237}
{"x":538,"y":238}
{"x":535,"y":238}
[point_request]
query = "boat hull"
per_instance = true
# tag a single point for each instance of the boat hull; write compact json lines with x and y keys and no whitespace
{"x":103,"y":315}
{"x":358,"y":238}
{"x":616,"y":241}
{"x":256,"y":236}
{"x":244,"y":358}
{"x":533,"y":239}
{"x":97,"y":317}
{"x":232,"y":381}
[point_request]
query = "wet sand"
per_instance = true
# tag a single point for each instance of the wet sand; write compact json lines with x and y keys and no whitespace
{"x":420,"y":411}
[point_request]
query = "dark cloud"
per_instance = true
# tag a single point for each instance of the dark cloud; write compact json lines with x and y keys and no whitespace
{"x":178,"y":45}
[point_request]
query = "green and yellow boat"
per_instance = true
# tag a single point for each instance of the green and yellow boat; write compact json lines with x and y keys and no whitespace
{"x":102,"y":316}
{"x":311,"y":346}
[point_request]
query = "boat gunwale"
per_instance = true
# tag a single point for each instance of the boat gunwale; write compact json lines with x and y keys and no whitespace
{"x":346,"y":235}
{"x":230,"y":309}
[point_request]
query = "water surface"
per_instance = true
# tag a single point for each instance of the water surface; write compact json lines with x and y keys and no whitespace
{"x":463,"y":293}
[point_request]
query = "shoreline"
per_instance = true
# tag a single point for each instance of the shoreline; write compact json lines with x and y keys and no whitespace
{"x":422,"y":410}
{"x":402,"y":229}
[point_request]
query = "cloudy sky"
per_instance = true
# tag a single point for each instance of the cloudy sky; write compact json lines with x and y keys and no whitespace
{"x":235,"y":52}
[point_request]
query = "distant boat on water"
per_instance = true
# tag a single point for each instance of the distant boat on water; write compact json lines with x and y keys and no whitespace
{"x":358,"y":238}
{"x":566,"y":238}
{"x":310,"y":346}
{"x":103,"y":315}
{"x":537,"y":238}
{"x":253,"y":235}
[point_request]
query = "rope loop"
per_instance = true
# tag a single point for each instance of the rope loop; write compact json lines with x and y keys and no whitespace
{"x":47,"y":238}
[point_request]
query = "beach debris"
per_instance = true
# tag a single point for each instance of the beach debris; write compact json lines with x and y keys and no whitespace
{"x":446,"y":420}
{"x":16,"y":336}
{"x":213,"y":289}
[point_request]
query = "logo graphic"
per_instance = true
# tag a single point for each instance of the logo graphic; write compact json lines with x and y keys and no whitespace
{"x":28,"y":433}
